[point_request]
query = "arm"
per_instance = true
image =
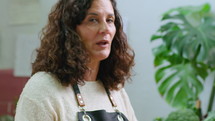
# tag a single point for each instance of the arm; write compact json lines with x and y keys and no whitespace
{"x":130,"y":111}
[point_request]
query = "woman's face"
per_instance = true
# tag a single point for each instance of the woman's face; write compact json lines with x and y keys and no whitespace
{"x":97,"y":30}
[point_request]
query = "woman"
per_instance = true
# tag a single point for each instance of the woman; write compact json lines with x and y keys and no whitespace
{"x":81,"y":66}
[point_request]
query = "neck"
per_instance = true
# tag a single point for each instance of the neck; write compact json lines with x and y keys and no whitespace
{"x":92,"y":73}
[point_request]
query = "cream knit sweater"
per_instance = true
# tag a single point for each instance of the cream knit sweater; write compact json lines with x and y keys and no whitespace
{"x":45,"y":99}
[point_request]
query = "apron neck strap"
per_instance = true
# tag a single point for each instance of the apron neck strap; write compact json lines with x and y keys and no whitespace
{"x":80,"y":100}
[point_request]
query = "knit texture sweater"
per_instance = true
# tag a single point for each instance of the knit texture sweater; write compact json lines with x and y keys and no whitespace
{"x":45,"y":99}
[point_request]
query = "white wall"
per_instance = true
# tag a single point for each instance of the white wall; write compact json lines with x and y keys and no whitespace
{"x":9,"y":33}
{"x":143,"y":20}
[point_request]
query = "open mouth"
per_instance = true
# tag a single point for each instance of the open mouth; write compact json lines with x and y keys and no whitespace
{"x":102,"y":43}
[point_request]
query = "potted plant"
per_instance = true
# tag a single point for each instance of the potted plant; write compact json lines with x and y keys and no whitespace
{"x":185,"y":55}
{"x":6,"y":118}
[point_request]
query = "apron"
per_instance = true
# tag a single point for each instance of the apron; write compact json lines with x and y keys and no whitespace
{"x":97,"y":115}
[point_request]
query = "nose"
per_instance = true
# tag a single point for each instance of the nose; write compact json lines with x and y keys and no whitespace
{"x":104,"y":28}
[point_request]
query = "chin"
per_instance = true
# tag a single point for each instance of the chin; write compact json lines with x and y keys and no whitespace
{"x":99,"y":55}
{"x":103,"y":56}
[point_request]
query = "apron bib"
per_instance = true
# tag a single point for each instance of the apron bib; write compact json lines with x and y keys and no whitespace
{"x":97,"y":115}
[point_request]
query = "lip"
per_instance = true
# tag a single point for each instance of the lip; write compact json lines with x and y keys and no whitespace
{"x":103,"y":43}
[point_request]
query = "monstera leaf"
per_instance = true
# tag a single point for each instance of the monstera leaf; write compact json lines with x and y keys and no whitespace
{"x":186,"y":30}
{"x":179,"y":84}
{"x":177,"y":77}
{"x":186,"y":53}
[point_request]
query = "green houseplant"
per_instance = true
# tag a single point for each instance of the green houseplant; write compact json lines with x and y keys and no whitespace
{"x":180,"y":115}
{"x":185,"y":54}
{"x":6,"y":118}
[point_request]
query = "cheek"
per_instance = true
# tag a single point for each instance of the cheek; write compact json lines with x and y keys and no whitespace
{"x":114,"y":30}
{"x":88,"y":35}
{"x":113,"y":33}
{"x":87,"y":41}
{"x":85,"y":36}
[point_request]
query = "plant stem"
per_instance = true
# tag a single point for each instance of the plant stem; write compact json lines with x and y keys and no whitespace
{"x":198,"y":110}
{"x":210,"y":104}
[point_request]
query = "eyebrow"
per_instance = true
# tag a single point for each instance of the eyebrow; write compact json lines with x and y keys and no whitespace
{"x":95,"y":14}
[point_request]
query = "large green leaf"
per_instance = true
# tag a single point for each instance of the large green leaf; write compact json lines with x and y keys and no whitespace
{"x":188,"y":28}
{"x":186,"y":53}
{"x":178,"y":83}
{"x":188,"y":10}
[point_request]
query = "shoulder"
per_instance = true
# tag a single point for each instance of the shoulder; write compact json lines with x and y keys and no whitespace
{"x":42,"y":77}
{"x":121,"y":97}
{"x":44,"y":98}
{"x":121,"y":93}
{"x":124,"y":104}
{"x":40,"y":85}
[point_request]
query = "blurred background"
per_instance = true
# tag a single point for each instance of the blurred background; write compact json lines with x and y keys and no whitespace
{"x":22,"y":20}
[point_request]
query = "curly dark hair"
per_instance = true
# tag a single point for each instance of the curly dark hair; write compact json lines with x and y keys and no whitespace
{"x":63,"y":54}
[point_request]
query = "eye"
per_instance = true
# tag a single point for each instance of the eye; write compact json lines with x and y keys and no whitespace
{"x":110,"y":20}
{"x":94,"y":20}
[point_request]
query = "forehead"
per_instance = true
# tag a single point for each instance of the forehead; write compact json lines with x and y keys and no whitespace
{"x":101,"y":6}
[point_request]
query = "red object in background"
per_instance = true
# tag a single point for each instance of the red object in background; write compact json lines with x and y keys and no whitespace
{"x":10,"y":89}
